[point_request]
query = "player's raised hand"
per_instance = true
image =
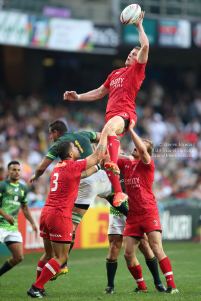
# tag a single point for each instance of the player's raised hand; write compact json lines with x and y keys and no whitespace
{"x":33,"y":178}
{"x":105,"y":159}
{"x":132,"y":125}
{"x":140,"y":20}
{"x":70,"y":95}
{"x":9,"y":219}
{"x":35,"y":229}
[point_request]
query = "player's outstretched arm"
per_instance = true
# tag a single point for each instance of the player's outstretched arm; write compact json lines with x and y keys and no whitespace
{"x":142,"y":55}
{"x":141,"y":147}
{"x":126,"y":157}
{"x":101,"y":148}
{"x":7,"y":217}
{"x":89,"y":96}
{"x":27,"y":214}
{"x":40,"y":169}
{"x":87,"y":173}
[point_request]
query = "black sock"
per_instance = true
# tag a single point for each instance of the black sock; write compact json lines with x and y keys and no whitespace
{"x":111,"y":266}
{"x":153,"y":267}
{"x":122,"y":208}
{"x":63,"y":265}
{"x":8,"y":265}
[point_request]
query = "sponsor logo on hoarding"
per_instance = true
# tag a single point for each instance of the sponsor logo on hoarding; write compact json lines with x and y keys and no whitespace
{"x":105,"y":36}
{"x":176,"y":227}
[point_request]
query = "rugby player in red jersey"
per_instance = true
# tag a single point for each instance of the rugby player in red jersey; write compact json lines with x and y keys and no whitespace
{"x":56,"y":218}
{"x":143,"y":215}
{"x":122,"y":85}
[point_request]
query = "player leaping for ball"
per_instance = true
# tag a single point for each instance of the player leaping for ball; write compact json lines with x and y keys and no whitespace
{"x":122,"y":85}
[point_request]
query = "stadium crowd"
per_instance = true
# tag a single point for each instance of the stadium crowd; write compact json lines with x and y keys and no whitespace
{"x":170,"y":118}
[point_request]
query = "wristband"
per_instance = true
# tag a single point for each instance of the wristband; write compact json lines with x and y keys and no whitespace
{"x":98,"y":166}
{"x":78,"y":97}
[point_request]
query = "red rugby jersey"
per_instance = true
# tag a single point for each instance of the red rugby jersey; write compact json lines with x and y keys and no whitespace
{"x":138,"y":180}
{"x":64,"y":185}
{"x":124,"y":85}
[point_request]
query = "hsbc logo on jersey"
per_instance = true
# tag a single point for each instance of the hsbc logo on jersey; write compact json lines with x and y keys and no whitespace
{"x":117,"y":83}
{"x":135,"y":182}
{"x":55,"y":235}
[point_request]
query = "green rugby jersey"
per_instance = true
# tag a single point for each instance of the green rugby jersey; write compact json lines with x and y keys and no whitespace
{"x":11,"y":197}
{"x":82,"y":140}
{"x":112,"y":209}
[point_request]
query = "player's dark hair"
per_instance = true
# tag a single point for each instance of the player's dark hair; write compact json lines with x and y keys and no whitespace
{"x":13,"y":162}
{"x":63,"y":149}
{"x":59,"y":126}
{"x":150,"y":147}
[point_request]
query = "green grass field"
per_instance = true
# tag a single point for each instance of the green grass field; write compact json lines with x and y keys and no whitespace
{"x":86,"y":279}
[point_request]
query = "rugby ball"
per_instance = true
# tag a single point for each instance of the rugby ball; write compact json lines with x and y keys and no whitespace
{"x":130,"y":14}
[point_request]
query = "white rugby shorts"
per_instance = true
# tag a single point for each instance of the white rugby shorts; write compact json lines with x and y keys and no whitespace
{"x":116,"y":224}
{"x":97,"y":184}
{"x":6,"y":236}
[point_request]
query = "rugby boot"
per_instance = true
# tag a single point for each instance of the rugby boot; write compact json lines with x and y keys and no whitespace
{"x":111,"y":166}
{"x":61,"y":272}
{"x":119,"y":198}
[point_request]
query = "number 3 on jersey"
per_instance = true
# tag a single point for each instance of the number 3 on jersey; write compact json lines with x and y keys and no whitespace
{"x":56,"y":175}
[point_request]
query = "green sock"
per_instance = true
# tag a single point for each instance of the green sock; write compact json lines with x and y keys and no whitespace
{"x":111,"y":266}
{"x":153,"y":267}
{"x":8,"y":265}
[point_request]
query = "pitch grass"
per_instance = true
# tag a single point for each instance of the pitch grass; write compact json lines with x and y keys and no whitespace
{"x":86,"y":279}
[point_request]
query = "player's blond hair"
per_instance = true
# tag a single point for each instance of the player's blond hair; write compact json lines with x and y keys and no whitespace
{"x":137,"y":48}
{"x":150,"y":147}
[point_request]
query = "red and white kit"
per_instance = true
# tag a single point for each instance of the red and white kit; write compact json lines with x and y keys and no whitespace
{"x":56,"y":217}
{"x":143,"y":216}
{"x":123,"y":85}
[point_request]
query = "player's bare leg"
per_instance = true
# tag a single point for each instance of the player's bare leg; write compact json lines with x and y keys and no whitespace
{"x":115,"y":242}
{"x":51,"y":268}
{"x":130,"y":247}
{"x":17,"y":252}
{"x":151,"y":262}
{"x":155,"y":242}
{"x":17,"y":256}
{"x":77,"y":216}
{"x":45,"y":257}
{"x":111,"y":167}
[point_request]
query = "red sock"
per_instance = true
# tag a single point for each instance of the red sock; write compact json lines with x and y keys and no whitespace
{"x":166,"y":268}
{"x":113,"y":147}
{"x":39,"y":268}
{"x":114,"y":179}
{"x":136,"y":272}
{"x":50,"y":269}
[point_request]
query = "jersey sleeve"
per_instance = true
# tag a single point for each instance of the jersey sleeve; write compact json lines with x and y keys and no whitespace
{"x":107,"y":82}
{"x":148,"y":166}
{"x":138,"y":71}
{"x":24,"y":194}
{"x":91,"y":135}
{"x":52,"y":152}
{"x":120,"y":163}
{"x":2,"y":189}
{"x":80,"y":165}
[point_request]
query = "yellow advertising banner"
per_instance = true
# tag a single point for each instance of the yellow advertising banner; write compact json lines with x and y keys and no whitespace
{"x":94,"y":228}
